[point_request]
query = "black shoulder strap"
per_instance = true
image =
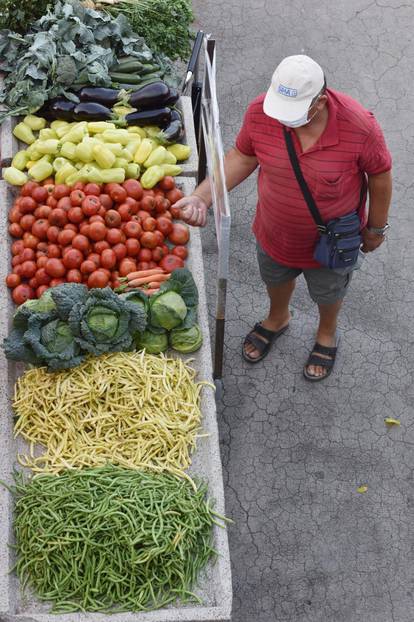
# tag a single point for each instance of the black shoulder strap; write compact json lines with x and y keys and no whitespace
{"x":307,"y":195}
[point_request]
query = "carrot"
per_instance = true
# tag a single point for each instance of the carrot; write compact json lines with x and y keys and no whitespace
{"x":141,"y":273}
{"x":149,"y":292}
{"x":159,"y":278}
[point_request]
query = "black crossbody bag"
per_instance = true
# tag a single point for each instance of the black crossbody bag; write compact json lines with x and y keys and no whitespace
{"x":340,"y":239}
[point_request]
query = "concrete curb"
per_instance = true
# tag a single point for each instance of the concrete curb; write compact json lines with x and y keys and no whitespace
{"x":215,"y":586}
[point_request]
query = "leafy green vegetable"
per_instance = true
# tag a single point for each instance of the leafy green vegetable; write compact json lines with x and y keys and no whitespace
{"x":52,"y":342}
{"x":42,"y":305}
{"x":154,"y":343}
{"x":18,"y":15}
{"x":187,"y":340}
{"x":168,"y":310}
{"x":137,"y":297}
{"x":182,"y":282}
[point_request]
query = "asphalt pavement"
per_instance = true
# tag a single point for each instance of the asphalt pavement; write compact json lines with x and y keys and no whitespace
{"x":305,"y":544}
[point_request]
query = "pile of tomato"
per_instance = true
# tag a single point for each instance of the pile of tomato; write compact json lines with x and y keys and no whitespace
{"x":92,"y":234}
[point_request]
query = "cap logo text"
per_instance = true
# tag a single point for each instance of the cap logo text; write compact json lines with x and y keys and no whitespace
{"x":285,"y":90}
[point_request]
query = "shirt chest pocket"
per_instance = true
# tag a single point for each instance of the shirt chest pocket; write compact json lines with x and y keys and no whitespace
{"x":329,"y":185}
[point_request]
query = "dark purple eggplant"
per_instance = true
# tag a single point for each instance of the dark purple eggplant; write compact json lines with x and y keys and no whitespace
{"x":172,"y":133}
{"x":91,"y":111}
{"x":159,"y":116}
{"x":150,"y":96}
{"x":61,"y":109}
{"x":100,"y":95}
{"x":176,"y":115}
{"x":172,"y":99}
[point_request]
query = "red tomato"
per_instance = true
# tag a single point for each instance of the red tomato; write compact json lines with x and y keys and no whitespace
{"x":53,"y":233}
{"x":65,"y":237}
{"x":15,"y":230}
{"x":135,"y":205}
{"x":180,"y":234}
{"x":27,"y":205}
{"x":108,"y":258}
{"x":61,"y":190}
{"x":17,"y":247}
{"x":168,"y":183}
{"x":64,"y":203}
{"x":174,"y":195}
{"x":41,"y":290}
{"x":78,"y":186}
{"x":114,"y":236}
{"x":145,"y":254}
{"x":55,"y":268}
{"x":13,"y":280}
{"x":133,"y":247}
{"x":148,"y":193}
{"x":30,"y":240}
{"x":28,"y":269}
{"x":120,"y":251}
{"x":57,"y":281}
{"x":171,"y":262}
{"x":73,"y":258}
{"x":126,"y":266}
{"x":148,"y":240}
{"x":42,"y":211}
{"x":143,"y":215}
{"x":33,"y":282}
{"x":102,"y":212}
{"x":16,"y":260}
{"x":148,"y":203}
{"x":81,"y":243}
{"x":160,"y":204}
{"x":106,"y":201}
{"x":58,"y":217}
{"x":75,"y":215}
{"x":92,"y":189}
{"x":95,"y":258}
{"x":49,"y":187}
{"x":51,"y":202}
{"x":100,"y":246}
{"x":159,"y":237}
{"x":73,"y":276}
{"x":99,"y":278}
{"x":71,"y":227}
{"x":53,"y":251}
{"x":133,"y":188}
{"x":76,"y":197}
{"x":28,"y":188}
{"x":17,"y":270}
{"x":42,"y":247}
{"x":96,"y":218}
{"x":40,"y":194}
{"x":97,"y":231}
{"x":118,"y":193}
{"x":132,"y":229}
{"x":167,"y":214}
{"x":143,"y":265}
{"x":113,"y":218}
{"x":15,"y":214}
{"x":164,"y":225}
{"x":27,"y":221}
{"x":42,"y":277}
{"x":27,"y":254}
{"x":157,"y":254}
{"x":84,"y":229}
{"x":40,"y":228}
{"x":41,"y":261}
{"x":125,"y":211}
{"x":90,"y":205}
{"x":180,"y":251}
{"x":22,"y":292}
{"x":87,"y":267}
{"x":149,"y":224}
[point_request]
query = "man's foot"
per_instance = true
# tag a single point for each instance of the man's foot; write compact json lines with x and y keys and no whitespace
{"x":259,"y":340}
{"x":322,"y":358}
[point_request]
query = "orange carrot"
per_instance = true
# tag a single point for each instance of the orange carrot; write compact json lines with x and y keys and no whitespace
{"x":159,"y":278}
{"x":141,"y":273}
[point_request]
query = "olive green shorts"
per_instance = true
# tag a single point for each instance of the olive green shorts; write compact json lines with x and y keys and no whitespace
{"x":325,"y":286}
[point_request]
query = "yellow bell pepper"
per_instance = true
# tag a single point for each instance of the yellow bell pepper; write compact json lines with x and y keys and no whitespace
{"x":121,"y":163}
{"x":63,"y":129}
{"x":171,"y":169}
{"x":55,"y":125}
{"x":144,"y":150}
{"x":156,"y":157}
{"x":24,"y":133}
{"x":116,"y":148}
{"x":41,"y":170}
{"x":181,"y":152}
{"x":58,"y":163}
{"x":47,"y":134}
{"x":96,"y":127}
{"x":84,"y":150}
{"x":20,"y":160}
{"x":133,"y":145}
{"x":152,"y":176}
{"x":113,"y":175}
{"x":50,"y":146}
{"x":116,"y":136}
{"x":68,"y":150}
{"x":152,"y":130}
{"x":13,"y":176}
{"x":132,"y":171}
{"x":34,"y":122}
{"x":169,"y":158}
{"x":64,"y":172}
{"x":134,"y":129}
{"x":76,"y":133}
{"x":103,"y":156}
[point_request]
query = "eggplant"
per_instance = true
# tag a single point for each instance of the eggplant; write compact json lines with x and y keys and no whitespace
{"x":176,"y":115}
{"x":172,"y":133}
{"x":100,"y":95}
{"x":150,"y":96}
{"x":91,"y":111}
{"x":61,"y":108}
{"x":172,"y":99}
{"x":158,"y":116}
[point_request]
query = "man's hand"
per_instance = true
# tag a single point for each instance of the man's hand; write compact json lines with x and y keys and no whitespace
{"x":371,"y":241}
{"x":193,"y":210}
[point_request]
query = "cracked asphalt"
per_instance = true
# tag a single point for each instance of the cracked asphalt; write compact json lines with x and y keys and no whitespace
{"x":305,"y":545}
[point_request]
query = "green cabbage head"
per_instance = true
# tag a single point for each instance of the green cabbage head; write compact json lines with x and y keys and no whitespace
{"x":186,"y":340}
{"x":168,"y":310}
{"x":154,"y":343}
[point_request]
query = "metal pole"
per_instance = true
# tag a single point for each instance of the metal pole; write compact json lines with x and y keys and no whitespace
{"x":220,"y":325}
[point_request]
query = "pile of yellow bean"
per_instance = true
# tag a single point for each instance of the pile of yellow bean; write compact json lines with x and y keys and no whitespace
{"x":130,"y":409}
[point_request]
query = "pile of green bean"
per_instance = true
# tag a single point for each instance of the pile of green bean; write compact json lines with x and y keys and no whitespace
{"x":111,"y":539}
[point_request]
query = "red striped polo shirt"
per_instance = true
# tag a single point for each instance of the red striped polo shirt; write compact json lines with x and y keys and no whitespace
{"x":351,"y":144}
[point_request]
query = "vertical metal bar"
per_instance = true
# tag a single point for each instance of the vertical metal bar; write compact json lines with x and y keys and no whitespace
{"x":220,"y":326}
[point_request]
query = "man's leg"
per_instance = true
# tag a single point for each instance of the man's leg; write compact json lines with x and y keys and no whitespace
{"x":328,"y":315}
{"x":279,"y":314}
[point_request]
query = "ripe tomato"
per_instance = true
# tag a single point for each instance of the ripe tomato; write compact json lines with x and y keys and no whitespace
{"x":90,"y":205}
{"x":33,"y":282}
{"x":51,"y":201}
{"x":114,"y":236}
{"x":30,"y":240}
{"x":61,"y":190}
{"x":71,"y":227}
{"x":49,"y":187}
{"x":180,"y":234}
{"x":27,"y":205}
{"x":120,"y":251}
{"x":76,"y":197}
{"x":100,"y":246}
{"x":160,"y":204}
{"x":133,"y":188}
{"x":148,"y":193}
{"x":41,"y":261}
{"x":22,"y":292}
{"x":143,"y":215}
{"x":41,"y":248}
{"x":41,"y":290}
{"x":15,"y":214}
{"x":133,"y":247}
{"x":135,"y":205}
{"x":149,"y":224}
{"x":108,"y":258}
{"x":97,"y":231}
{"x":164,"y":225}
{"x":92,"y":189}
{"x":113,"y":218}
{"x":15,"y":230}
{"x":81,"y":243}
{"x":17,"y":270}
{"x":65,"y":237}
{"x":180,"y":251}
{"x":57,"y":281}
{"x":132,"y":229}
{"x":64,"y":203}
{"x":168,"y":183}
{"x":95,"y":258}
{"x":171,"y":262}
{"x":27,"y":254}
{"x":55,"y":268}
{"x":13,"y":280}
{"x":148,"y":240}
{"x":73,"y":276}
{"x":40,"y":194}
{"x":143,"y":265}
{"x":42,"y":211}
{"x":58,"y":217}
{"x":28,"y":188}
{"x":159,"y":237}
{"x":148,"y":203}
{"x":125,"y":211}
{"x":75,"y":215}
{"x":84,"y":229}
{"x":87,"y":266}
{"x":99,"y":278}
{"x":17,"y":247}
{"x":40,"y":228}
{"x":174,"y":195}
{"x":96,"y":218}
{"x":73,"y":258}
{"x":157,"y":254}
{"x":145,"y":254}
{"x":28,"y":269}
{"x":117,"y":193}
{"x":42,"y":277}
{"x":16,"y":260}
{"x":52,"y":233}
{"x":27,"y":221}
{"x":106,"y":201}
{"x":175,"y":213}
{"x":53,"y":251}
{"x":126,"y":266}
{"x":167,"y":214}
{"x":78,"y":186}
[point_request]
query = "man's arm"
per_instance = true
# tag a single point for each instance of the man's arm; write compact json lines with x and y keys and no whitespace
{"x":380,"y":190}
{"x":237,"y":167}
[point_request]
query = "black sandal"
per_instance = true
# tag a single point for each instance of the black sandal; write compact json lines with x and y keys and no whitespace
{"x":314,"y":359}
{"x":262,"y":346}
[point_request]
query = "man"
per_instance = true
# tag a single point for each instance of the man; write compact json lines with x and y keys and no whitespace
{"x":338,"y":144}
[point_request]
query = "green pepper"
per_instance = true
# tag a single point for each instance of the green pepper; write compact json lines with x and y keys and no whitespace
{"x":97,"y":127}
{"x":144,"y":150}
{"x":91,"y":174}
{"x":20,"y":160}
{"x":41,"y":170}
{"x":152,"y":130}
{"x":59,"y":162}
{"x":121,"y":163}
{"x":171,"y":169}
{"x":35,"y":123}
{"x":13,"y":176}
{"x":64,"y":172}
{"x":50,"y":146}
{"x":63,"y":129}
{"x":104,"y":156}
{"x":68,"y":150}
{"x":115,"y":148}
{"x":181,"y":152}
{"x":133,"y":145}
{"x":134,"y":129}
{"x":73,"y":178}
{"x":55,"y":125}
{"x":24,"y":133}
{"x":152,"y":176}
{"x":113,"y":175}
{"x":156,"y":157}
{"x":169,"y":158}
{"x":116,"y":136}
{"x":47,"y":134}
{"x":84,"y":150}
{"x":132,"y":171}
{"x":76,"y":133}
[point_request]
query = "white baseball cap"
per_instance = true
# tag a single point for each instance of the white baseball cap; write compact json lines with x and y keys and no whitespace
{"x":295,"y":83}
